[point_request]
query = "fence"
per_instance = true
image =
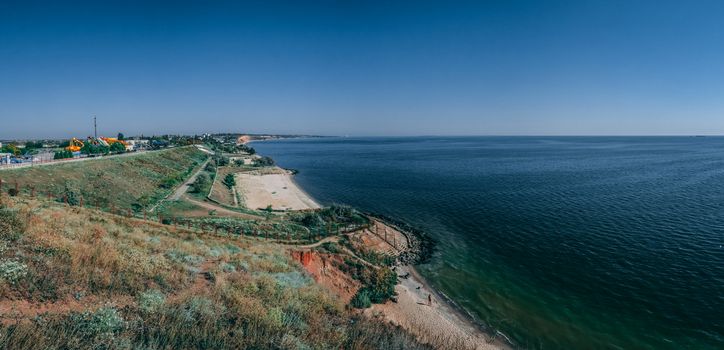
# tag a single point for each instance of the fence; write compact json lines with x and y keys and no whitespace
{"x":268,"y":231}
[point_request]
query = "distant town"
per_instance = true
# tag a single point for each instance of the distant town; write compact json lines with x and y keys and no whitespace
{"x":20,"y":153}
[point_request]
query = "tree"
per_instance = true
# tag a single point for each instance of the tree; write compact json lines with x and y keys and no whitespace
{"x":202,"y":181}
{"x":265,"y":161}
{"x":11,"y":148}
{"x":121,"y":136}
{"x":229,"y":180}
{"x":89,"y":148}
{"x":64,"y":154}
{"x":221,"y":160}
{"x":117,"y":147}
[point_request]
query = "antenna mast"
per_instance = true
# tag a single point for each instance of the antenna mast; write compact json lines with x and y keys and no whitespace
{"x":95,"y":127}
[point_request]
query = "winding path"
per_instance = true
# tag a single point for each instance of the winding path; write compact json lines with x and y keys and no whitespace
{"x":181,"y":190}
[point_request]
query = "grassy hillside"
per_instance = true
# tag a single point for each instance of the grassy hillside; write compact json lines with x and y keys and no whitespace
{"x":78,"y":278}
{"x":135,"y":180}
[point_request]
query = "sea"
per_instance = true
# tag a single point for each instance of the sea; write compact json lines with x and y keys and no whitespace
{"x":555,"y":242}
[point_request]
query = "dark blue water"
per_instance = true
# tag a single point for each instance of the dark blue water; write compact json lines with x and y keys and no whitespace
{"x":559,"y":242}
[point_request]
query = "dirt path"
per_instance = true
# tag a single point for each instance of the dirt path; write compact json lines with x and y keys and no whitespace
{"x":181,"y":190}
{"x":14,"y":311}
{"x":220,"y":209}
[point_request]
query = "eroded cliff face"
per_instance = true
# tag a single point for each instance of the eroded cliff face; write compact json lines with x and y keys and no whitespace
{"x":324,"y":268}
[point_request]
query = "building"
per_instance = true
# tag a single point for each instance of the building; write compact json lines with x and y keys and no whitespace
{"x":5,"y":158}
{"x":137,"y":145}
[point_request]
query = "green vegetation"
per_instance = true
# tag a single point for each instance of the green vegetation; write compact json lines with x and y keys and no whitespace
{"x":202,"y":184}
{"x":330,"y":220}
{"x":378,"y":284}
{"x":221,"y":160}
{"x":228,"y":147}
{"x":10,"y":148}
{"x":64,"y":154}
{"x":117,"y":147}
{"x":91,"y":149}
{"x":229,"y":180}
{"x":136,"y":181}
{"x":137,"y":285}
{"x":197,"y":279}
{"x":264,"y":161}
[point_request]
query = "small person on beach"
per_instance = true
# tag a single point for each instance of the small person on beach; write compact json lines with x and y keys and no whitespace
{"x":429,"y":300}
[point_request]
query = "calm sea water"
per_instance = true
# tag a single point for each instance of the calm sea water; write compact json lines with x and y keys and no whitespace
{"x":559,"y":242}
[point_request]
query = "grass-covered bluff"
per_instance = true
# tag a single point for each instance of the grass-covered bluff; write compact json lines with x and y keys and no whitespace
{"x":131,"y":181}
{"x":77,"y":278}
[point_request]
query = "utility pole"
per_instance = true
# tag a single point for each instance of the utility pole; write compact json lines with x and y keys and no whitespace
{"x":95,"y":127}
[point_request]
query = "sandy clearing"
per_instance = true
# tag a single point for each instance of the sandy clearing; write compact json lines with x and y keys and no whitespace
{"x":278,"y":190}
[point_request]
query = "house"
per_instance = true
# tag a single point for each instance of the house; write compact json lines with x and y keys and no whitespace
{"x":137,"y":145}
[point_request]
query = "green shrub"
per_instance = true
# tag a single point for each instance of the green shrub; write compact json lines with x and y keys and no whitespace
{"x":100,"y":325}
{"x":151,"y":300}
{"x":11,"y":271}
{"x":11,"y":227}
{"x":226,"y":267}
{"x":381,"y":284}
{"x":361,"y":300}
{"x":72,"y":195}
{"x":201,"y":184}
{"x":264,"y":161}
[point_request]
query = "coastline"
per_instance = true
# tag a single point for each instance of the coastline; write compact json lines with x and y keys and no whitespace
{"x":445,"y":317}
{"x":463,"y":315}
{"x":435,"y":321}
{"x":440,"y":324}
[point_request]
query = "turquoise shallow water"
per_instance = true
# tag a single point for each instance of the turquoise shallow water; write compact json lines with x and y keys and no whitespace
{"x":559,"y":242}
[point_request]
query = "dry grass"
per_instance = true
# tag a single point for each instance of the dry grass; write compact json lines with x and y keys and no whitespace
{"x":94,"y":280}
{"x":219,"y":192}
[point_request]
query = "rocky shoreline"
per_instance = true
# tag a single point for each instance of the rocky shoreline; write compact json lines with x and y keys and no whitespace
{"x":421,"y":246}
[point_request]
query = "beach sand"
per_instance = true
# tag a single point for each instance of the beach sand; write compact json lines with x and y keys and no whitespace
{"x":277,"y":189}
{"x":434,"y":320}
{"x":438,"y":324}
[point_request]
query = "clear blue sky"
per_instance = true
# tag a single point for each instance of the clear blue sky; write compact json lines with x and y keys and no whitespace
{"x":362,"y":67}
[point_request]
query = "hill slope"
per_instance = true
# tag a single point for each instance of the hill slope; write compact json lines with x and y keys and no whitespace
{"x":136,"y":180}
{"x":79,"y":278}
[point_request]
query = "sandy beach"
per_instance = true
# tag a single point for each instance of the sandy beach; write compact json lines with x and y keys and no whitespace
{"x":432,"y":320}
{"x":277,"y":189}
{"x":436,"y":323}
